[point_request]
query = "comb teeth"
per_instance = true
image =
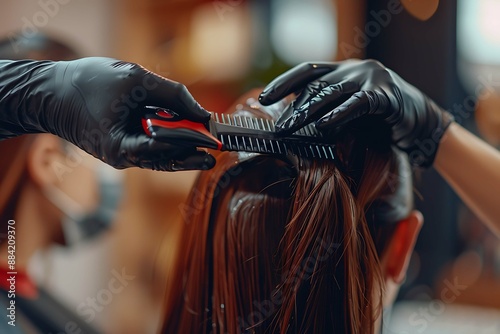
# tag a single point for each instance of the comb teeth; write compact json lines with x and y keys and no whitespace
{"x":258,"y":145}
{"x":307,"y":142}
{"x":245,"y":122}
{"x":263,"y":124}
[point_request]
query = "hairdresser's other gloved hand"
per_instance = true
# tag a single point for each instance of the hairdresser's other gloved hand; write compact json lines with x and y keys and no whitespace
{"x":97,"y":104}
{"x":334,"y":94}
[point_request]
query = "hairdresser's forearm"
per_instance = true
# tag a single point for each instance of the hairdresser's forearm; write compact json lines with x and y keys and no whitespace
{"x":20,"y":98}
{"x":472,"y":168}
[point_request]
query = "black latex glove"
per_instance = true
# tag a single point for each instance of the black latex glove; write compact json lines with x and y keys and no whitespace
{"x":97,"y":104}
{"x":334,"y":94}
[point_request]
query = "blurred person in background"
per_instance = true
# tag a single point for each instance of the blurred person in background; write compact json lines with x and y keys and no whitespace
{"x":38,"y":200}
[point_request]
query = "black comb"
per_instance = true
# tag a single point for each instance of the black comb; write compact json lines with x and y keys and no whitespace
{"x":236,"y":133}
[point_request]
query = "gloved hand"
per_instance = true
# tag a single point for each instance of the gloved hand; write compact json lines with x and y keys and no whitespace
{"x":97,"y":104}
{"x":334,"y":94}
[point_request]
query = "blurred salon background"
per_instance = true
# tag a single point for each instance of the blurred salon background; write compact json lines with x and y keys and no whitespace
{"x":219,"y":49}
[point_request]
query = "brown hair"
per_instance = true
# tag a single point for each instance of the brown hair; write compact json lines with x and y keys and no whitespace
{"x":281,"y":246}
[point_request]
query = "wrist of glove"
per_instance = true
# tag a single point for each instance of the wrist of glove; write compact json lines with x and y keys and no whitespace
{"x":22,"y":96}
{"x":424,"y":143}
{"x":336,"y":94}
{"x":97,"y":104}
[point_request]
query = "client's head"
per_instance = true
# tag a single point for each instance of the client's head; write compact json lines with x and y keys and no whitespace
{"x":290,"y":245}
{"x":35,"y":46}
